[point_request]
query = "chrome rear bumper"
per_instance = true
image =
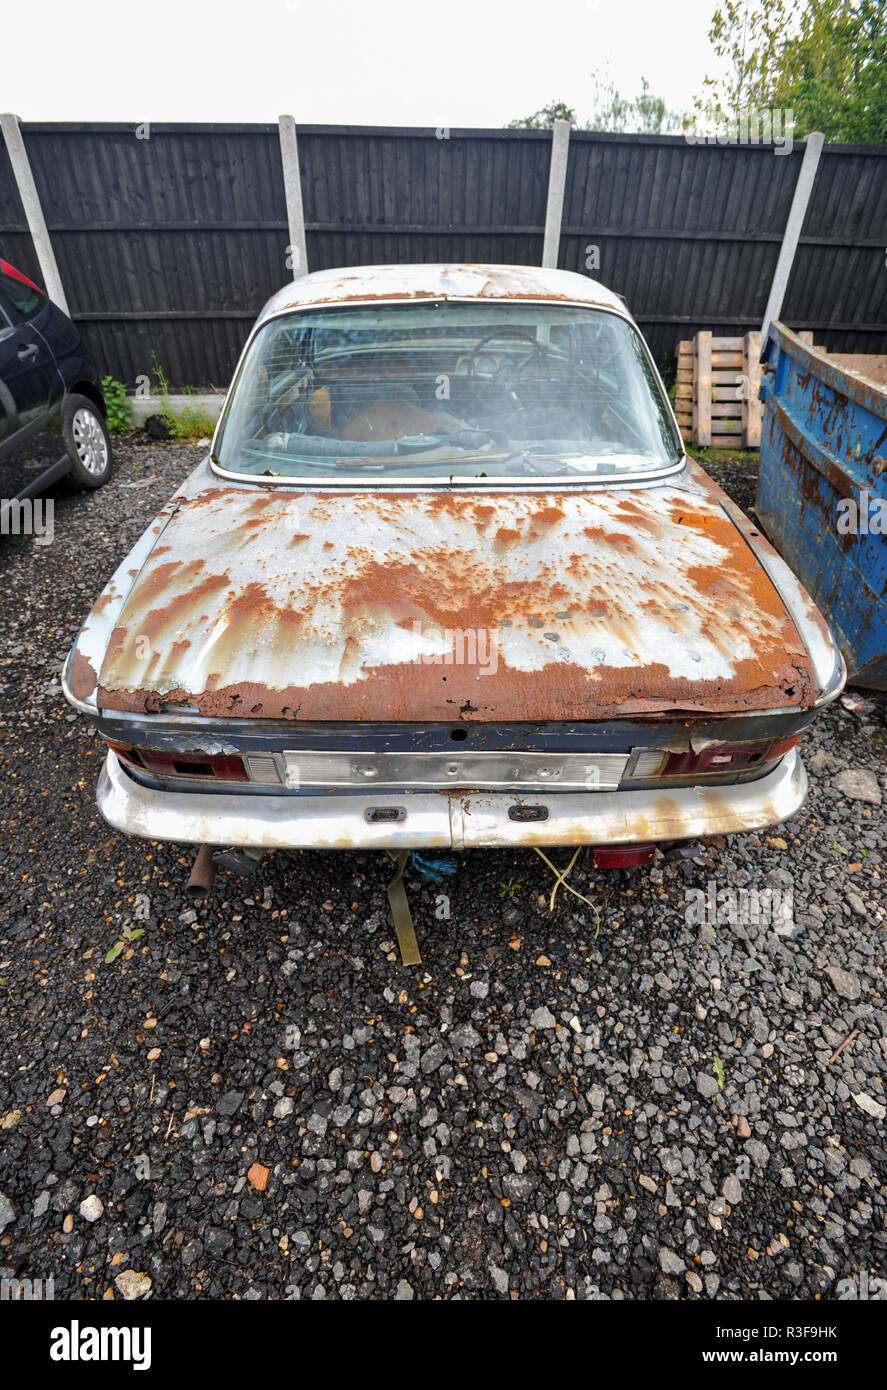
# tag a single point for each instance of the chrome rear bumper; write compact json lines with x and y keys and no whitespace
{"x":452,"y":820}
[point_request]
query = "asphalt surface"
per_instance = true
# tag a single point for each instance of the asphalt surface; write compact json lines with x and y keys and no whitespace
{"x":256,"y":1100}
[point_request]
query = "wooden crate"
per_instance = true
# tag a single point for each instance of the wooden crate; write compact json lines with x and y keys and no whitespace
{"x":683,"y":396}
{"x":717,"y":400}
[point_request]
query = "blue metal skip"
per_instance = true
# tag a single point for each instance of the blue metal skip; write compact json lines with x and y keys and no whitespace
{"x":822,"y":492}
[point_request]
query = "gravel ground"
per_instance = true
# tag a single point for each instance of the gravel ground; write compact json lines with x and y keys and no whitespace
{"x":256,"y":1100}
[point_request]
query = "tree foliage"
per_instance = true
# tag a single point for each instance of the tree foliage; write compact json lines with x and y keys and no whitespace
{"x":646,"y":114}
{"x":545,"y":117}
{"x":825,"y":61}
{"x":746,"y":35}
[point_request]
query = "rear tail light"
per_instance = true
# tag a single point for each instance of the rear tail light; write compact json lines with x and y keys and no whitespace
{"x":777,"y":749}
{"x":620,"y":856}
{"x":718,"y":758}
{"x":709,"y":762}
{"x":220,"y":767}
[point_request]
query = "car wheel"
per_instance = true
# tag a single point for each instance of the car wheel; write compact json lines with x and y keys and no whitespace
{"x":87,"y":442}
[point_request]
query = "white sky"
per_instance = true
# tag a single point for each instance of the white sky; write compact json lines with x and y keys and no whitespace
{"x":343,"y":62}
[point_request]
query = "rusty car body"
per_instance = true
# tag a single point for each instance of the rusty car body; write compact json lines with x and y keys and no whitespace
{"x":448,"y":579}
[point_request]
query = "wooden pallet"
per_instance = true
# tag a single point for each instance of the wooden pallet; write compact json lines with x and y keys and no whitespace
{"x":717,"y":394}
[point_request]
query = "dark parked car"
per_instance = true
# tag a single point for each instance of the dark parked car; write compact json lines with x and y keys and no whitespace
{"x":52,"y":411}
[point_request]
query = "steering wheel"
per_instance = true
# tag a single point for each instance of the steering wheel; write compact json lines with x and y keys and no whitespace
{"x":507,"y":376}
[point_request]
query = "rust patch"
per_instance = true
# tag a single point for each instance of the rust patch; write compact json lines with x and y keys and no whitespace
{"x":162,"y":576}
{"x":158,"y":620}
{"x":457,"y":695}
{"x":263,"y":500}
{"x":207,"y":496}
{"x":547,"y":516}
{"x":507,"y":535}
{"x":81,"y":676}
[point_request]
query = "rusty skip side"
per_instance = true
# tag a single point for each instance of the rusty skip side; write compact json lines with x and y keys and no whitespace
{"x":354,"y":606}
{"x":822,"y":491}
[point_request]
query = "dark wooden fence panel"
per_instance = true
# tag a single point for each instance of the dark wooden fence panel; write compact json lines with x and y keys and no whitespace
{"x":168,"y":244}
{"x":171,"y":244}
{"x":375,"y":196}
{"x":838,"y":284}
{"x":690,"y":234}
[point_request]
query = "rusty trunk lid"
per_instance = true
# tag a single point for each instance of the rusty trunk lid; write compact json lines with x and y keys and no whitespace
{"x":587,"y":603}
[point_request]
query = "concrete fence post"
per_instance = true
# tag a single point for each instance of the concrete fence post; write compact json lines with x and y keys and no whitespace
{"x":292,"y":183}
{"x":557,"y":179}
{"x":27,"y":189}
{"x":793,"y":227}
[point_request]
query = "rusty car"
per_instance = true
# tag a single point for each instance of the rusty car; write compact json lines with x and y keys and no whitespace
{"x":448,"y":578}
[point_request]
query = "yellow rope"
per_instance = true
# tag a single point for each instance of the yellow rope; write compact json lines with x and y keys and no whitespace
{"x":561,"y":877}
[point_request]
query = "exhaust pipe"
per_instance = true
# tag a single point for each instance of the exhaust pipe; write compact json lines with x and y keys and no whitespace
{"x":202,"y":875}
{"x":239,"y":859}
{"x":681,"y":849}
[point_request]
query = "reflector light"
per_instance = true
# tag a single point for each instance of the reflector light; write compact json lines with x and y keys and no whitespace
{"x":620,"y":856}
{"x":262,"y":768}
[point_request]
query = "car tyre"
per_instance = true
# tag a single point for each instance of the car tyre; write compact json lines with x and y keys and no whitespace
{"x":87,"y":442}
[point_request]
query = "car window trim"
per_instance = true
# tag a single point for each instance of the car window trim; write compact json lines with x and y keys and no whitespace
{"x":454,"y":482}
{"x":358,"y":480}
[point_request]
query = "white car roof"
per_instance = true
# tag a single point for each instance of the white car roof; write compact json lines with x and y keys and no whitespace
{"x":362,"y":283}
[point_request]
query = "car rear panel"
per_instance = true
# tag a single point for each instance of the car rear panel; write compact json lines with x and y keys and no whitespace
{"x":391,"y":819}
{"x":431,"y":606}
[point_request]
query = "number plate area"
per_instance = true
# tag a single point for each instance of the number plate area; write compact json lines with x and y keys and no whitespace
{"x":493,"y":771}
